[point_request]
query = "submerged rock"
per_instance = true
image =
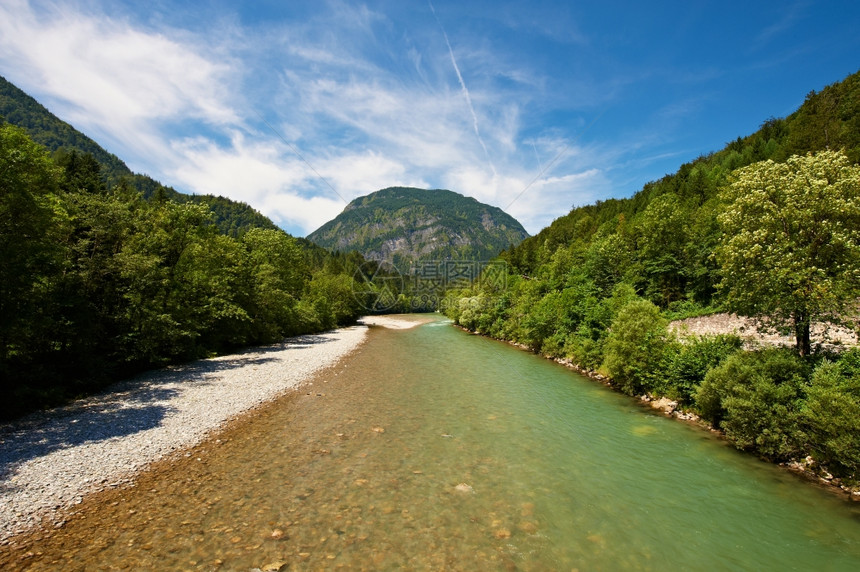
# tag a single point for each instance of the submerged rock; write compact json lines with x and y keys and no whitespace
{"x":528,"y":527}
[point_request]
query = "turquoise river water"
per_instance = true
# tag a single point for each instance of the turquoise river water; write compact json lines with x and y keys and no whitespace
{"x":434,"y":449}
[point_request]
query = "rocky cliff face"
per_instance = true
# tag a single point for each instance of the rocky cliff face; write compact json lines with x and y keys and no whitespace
{"x":402,"y":225}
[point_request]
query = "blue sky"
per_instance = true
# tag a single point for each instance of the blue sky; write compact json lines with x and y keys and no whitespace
{"x":535,"y":107}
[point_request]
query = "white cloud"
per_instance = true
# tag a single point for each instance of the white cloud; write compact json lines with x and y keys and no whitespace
{"x":308,"y":213}
{"x":279,"y":185}
{"x":255,"y":173}
{"x":183,"y":107}
{"x":354,"y":175}
{"x":109,"y":77}
{"x":546,"y":199}
{"x":245,"y":171}
{"x":533,"y":202}
{"x":465,"y":91}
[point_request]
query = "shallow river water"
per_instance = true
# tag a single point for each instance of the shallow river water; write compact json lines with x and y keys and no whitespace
{"x":434,"y":449}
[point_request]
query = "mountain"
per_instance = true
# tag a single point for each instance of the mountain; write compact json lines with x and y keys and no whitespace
{"x":401,"y":225}
{"x":17,"y":108}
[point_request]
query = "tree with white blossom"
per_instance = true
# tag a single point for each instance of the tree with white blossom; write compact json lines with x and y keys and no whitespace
{"x":790,"y":247}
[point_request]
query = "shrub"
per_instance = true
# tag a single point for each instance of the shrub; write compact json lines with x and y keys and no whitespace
{"x":688,"y":363}
{"x":755,"y":397}
{"x":683,"y":309}
{"x":469,"y":312}
{"x":830,"y":416}
{"x":542,"y":320}
{"x":635,"y":346}
{"x":586,"y":351}
{"x":554,"y":346}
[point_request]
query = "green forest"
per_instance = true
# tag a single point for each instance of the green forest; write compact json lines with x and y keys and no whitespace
{"x":99,"y":281}
{"x":768,"y":227}
{"x":18,"y":108}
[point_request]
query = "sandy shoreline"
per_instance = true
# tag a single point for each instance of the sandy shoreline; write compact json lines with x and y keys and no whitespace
{"x":50,"y":460}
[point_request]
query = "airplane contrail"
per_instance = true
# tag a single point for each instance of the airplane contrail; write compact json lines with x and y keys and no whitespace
{"x":465,"y":90}
{"x":537,"y":156}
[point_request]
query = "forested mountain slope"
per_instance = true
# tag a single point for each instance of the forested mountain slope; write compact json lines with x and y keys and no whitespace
{"x":827,"y":119}
{"x":401,"y":225}
{"x":18,"y":108}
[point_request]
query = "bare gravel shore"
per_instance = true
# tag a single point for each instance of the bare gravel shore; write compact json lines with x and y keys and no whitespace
{"x":827,"y":335}
{"x":50,"y":460}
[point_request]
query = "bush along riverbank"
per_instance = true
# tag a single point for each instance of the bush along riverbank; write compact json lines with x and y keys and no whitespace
{"x":799,"y":413}
{"x":802,"y":413}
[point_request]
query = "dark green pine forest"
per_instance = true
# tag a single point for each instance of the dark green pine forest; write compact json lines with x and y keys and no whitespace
{"x":105,"y":273}
{"x":767,"y":227}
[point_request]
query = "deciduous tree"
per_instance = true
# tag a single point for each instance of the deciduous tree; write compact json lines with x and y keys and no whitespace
{"x":790,"y":249}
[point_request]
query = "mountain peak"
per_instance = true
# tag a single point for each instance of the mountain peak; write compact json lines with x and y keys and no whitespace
{"x":402,"y":225}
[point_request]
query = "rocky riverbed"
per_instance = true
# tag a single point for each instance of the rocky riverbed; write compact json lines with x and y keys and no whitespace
{"x":50,"y":460}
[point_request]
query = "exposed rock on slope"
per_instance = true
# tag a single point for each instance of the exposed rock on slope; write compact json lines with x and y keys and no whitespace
{"x":401,"y":225}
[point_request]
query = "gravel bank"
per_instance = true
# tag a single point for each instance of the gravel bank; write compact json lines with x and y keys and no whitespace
{"x":397,"y":321}
{"x":827,"y":335}
{"x":49,"y":461}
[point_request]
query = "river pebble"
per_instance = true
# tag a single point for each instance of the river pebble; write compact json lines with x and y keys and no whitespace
{"x":49,"y":460}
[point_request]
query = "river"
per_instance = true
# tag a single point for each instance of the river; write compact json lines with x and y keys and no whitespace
{"x":434,"y":449}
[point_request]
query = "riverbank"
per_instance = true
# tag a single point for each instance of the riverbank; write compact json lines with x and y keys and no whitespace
{"x":427,"y":449}
{"x":50,"y":460}
{"x":805,"y":468}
